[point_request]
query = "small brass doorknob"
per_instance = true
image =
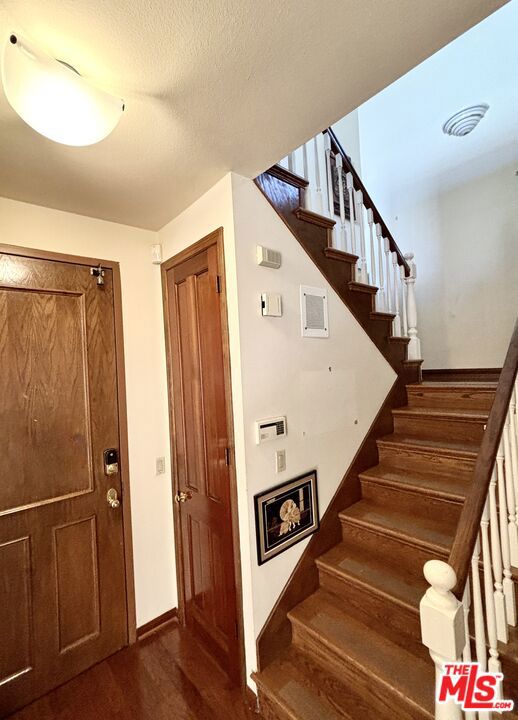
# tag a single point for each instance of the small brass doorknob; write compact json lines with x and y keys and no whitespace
{"x":182,"y":496}
{"x":112,"y":498}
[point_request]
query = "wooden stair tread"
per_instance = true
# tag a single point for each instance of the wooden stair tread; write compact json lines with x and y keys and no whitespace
{"x":340,"y":255}
{"x":353,"y":642}
{"x":378,"y":315}
{"x":314,"y":218}
{"x":431,"y":532}
{"x":296,"y":684}
{"x":395,"y":583}
{"x":467,"y":450}
{"x":452,"y":487}
{"x":460,"y":414}
{"x":288,"y":176}
{"x":362,"y":287}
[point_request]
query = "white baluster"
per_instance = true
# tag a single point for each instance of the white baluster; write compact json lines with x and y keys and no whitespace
{"x":364,"y":276}
{"x":397,"y":320}
{"x":510,"y":599}
{"x":478,"y":612}
{"x":442,"y":627}
{"x":350,"y":190}
{"x":319,"y":201}
{"x":305,"y":173}
{"x":381,"y":300}
{"x":514,"y":449}
{"x":414,"y":346}
{"x":509,"y":484}
{"x":291,"y":162}
{"x":496,"y":555}
{"x":494,"y":662}
{"x":511,"y":494}
{"x":404,"y":317}
{"x":388,"y":273}
{"x":466,"y":653}
{"x":341,"y":200}
{"x":370,"y":220}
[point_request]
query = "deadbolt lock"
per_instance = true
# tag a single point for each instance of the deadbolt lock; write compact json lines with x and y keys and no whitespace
{"x":111,"y":462}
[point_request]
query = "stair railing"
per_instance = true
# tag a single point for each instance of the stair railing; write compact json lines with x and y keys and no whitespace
{"x":473,"y":593}
{"x":336,"y":190}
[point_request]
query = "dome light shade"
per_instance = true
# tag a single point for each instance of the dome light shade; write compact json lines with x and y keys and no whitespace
{"x":54,"y":99}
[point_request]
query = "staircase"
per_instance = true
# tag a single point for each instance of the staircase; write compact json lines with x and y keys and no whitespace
{"x":356,"y":649}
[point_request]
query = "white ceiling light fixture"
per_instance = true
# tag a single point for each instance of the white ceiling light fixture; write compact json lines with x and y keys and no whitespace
{"x":465,"y":121}
{"x":51,"y":96}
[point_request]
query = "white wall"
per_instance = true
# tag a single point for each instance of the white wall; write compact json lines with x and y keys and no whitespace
{"x":329,"y":389}
{"x":453,"y":201}
{"x":348,"y":133}
{"x":41,"y":228}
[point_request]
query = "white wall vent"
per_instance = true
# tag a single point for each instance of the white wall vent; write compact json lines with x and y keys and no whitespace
{"x":465,"y":121}
{"x":313,"y":307}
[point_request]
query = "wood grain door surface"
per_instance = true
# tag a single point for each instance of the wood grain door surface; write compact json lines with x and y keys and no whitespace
{"x":62,"y":575}
{"x":201,"y":449}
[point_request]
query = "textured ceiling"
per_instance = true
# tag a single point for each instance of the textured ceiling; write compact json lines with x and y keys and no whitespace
{"x":210,"y":86}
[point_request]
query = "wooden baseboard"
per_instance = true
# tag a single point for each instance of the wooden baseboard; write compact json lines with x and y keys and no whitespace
{"x":157,"y":623}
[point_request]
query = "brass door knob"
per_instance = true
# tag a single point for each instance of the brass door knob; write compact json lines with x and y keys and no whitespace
{"x":182,"y":496}
{"x":112,"y":498}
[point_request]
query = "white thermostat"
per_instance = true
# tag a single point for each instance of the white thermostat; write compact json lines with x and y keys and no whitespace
{"x":270,"y":429}
{"x":271,"y":304}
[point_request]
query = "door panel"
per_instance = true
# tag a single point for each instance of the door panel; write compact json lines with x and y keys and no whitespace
{"x":201,"y":446}
{"x":62,"y":572}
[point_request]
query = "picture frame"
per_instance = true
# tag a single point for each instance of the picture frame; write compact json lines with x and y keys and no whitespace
{"x":285,"y":515}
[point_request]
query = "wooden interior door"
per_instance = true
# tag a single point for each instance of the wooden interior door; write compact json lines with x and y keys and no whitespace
{"x":62,"y":573}
{"x":202,"y":451}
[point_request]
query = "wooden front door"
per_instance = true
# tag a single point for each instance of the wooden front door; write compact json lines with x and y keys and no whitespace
{"x":62,"y":573}
{"x":193,"y":283}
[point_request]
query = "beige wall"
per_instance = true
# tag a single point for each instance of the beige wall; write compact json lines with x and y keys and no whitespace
{"x":41,"y":228}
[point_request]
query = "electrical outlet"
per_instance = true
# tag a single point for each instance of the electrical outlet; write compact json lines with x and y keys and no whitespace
{"x":160,"y":466}
{"x":280,"y":461}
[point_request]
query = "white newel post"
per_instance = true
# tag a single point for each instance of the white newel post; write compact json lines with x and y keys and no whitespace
{"x":414,"y":346}
{"x":442,"y":626}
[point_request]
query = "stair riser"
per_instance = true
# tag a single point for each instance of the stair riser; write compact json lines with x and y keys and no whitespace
{"x":401,"y":456}
{"x":383,"y":698}
{"x":438,"y":429}
{"x":402,"y":624}
{"x":408,"y":555}
{"x":408,"y":502}
{"x":451,"y":399}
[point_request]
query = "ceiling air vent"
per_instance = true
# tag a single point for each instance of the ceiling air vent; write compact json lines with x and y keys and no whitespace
{"x":463,"y":122}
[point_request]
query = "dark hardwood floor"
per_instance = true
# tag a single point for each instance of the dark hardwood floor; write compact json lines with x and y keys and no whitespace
{"x":165,"y":675}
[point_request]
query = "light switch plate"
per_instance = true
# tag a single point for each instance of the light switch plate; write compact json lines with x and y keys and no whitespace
{"x":280,"y":461}
{"x":160,"y":465}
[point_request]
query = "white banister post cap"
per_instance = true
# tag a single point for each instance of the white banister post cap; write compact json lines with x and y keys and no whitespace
{"x":409,"y":256}
{"x":440,"y":575}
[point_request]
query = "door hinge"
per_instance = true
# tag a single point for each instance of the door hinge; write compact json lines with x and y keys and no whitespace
{"x":218,"y":283}
{"x":227,"y":456}
{"x":98,"y":273}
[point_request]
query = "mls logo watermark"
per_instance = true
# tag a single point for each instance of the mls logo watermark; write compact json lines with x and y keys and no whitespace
{"x":471,"y":688}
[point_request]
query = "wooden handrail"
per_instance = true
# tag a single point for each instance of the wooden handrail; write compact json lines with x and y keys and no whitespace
{"x":367,"y":200}
{"x":471,"y":515}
